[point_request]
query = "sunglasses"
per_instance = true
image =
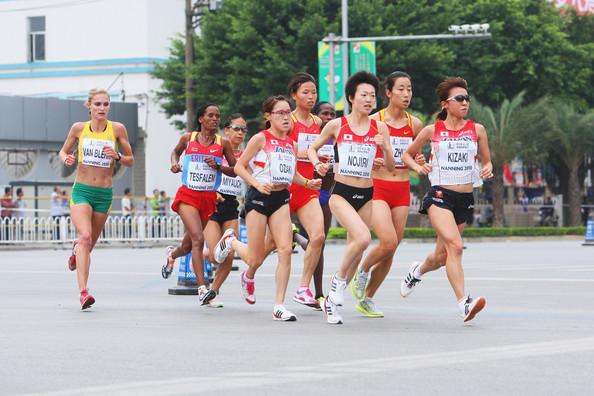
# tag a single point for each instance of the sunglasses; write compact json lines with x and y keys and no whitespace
{"x":238,"y":128}
{"x":282,"y":113}
{"x":460,"y":98}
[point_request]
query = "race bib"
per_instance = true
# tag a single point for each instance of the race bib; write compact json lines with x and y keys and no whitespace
{"x":92,"y":152}
{"x":282,"y":166}
{"x":456,"y":156}
{"x":230,"y":185}
{"x":356,"y":159}
{"x":197,"y":175}
{"x":399,"y":145}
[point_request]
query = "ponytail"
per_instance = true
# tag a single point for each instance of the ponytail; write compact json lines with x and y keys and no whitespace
{"x":442,"y":115}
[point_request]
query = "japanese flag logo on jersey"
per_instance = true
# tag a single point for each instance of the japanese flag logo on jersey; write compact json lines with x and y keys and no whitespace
{"x":443,"y":133}
{"x":273,"y":141}
{"x":348,"y":137}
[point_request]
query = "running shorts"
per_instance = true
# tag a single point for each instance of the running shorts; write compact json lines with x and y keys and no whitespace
{"x":265,"y":204}
{"x":394,"y":193}
{"x":300,"y":196}
{"x":460,"y":204}
{"x":99,"y":198}
{"x":204,"y":201}
{"x":226,"y":210}
{"x":355,"y":196}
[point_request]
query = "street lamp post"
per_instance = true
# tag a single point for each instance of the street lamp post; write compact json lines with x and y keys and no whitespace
{"x":458,"y":32}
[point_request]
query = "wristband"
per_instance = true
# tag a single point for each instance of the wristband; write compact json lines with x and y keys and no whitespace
{"x":119,"y":157}
{"x":305,"y":183}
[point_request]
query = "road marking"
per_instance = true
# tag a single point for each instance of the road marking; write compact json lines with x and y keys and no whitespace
{"x":293,"y":374}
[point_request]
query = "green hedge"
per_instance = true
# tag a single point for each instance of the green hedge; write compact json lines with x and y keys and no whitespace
{"x":340,"y":233}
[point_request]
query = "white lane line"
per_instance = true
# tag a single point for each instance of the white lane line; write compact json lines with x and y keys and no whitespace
{"x":292,"y":374}
{"x":157,"y":275}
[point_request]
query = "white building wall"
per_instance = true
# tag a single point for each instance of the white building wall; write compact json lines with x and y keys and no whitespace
{"x":94,"y":43}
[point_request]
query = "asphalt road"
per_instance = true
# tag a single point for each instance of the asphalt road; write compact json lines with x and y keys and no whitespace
{"x":536,"y":335}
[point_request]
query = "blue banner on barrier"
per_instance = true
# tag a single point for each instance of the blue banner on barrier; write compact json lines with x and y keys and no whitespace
{"x":186,"y":272}
{"x":242,"y":232}
{"x":590,"y":230}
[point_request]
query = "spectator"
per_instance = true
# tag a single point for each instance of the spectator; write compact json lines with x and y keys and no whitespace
{"x":155,"y":203}
{"x":163,"y":203}
{"x":156,"y":221}
{"x":19,"y":211}
{"x":523,"y":200}
{"x":127,"y":212}
{"x":6,"y":214}
{"x":56,"y":211}
{"x":65,"y":203}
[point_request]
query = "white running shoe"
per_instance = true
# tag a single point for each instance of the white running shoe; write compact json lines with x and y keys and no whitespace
{"x":337,"y":287}
{"x":279,"y":312}
{"x":331,"y":310}
{"x":205,"y":295}
{"x":359,"y":284}
{"x":215,"y":303}
{"x":409,"y":282}
{"x":224,"y":246}
{"x":473,"y":307}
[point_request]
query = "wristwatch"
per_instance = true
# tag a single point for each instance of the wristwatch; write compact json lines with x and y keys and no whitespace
{"x":119,"y":157}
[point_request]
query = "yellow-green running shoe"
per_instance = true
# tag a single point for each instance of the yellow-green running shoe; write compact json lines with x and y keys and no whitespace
{"x":367,"y":308}
{"x":359,"y":284}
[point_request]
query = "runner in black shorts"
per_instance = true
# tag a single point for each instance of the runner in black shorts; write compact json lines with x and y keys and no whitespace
{"x":453,"y":169}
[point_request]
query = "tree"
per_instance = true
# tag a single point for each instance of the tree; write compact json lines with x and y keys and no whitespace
{"x":511,"y":128}
{"x":571,"y":135}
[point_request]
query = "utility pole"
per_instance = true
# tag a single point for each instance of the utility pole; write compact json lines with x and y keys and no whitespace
{"x":194,"y":12}
{"x":345,"y":49}
{"x":189,"y":86}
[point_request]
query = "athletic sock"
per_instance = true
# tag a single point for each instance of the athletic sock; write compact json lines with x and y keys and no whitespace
{"x":417,"y":272}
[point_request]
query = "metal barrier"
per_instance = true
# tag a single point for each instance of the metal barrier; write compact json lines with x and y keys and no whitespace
{"x":117,"y":228}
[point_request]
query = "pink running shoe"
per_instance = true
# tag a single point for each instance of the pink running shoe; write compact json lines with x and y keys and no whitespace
{"x":305,"y":296}
{"x":248,"y":289}
{"x":86,"y":300}
{"x":72,"y":258}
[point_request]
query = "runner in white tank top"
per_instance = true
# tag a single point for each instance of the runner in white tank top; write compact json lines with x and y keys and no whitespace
{"x":456,"y":145}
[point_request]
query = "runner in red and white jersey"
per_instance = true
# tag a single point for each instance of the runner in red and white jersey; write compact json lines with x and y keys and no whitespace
{"x":453,"y":168}
{"x":195,"y":201}
{"x":358,"y":139}
{"x":270,"y":157}
{"x":304,"y":201}
{"x":391,"y":194}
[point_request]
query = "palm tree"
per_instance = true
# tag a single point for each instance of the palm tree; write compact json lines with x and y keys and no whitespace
{"x":572,"y":138}
{"x":509,"y":128}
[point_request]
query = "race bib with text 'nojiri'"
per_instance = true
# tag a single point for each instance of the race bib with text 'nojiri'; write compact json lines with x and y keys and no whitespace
{"x":356,"y":159}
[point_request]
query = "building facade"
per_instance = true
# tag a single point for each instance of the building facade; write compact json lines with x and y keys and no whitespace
{"x":63,"y":48}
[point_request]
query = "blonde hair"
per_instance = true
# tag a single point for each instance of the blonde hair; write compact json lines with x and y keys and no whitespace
{"x":93,"y":92}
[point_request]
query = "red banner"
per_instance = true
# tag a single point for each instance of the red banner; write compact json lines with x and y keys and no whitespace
{"x":581,"y":6}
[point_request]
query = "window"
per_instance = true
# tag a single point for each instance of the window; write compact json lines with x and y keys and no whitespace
{"x":36,"y":39}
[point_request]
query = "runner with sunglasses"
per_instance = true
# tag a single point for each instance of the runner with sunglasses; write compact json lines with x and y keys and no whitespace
{"x":453,"y":169}
{"x":226,"y":214}
{"x":359,"y":139}
{"x":99,"y":145}
{"x":271,"y":157}
{"x":391,"y":194}
{"x":196,"y":199}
